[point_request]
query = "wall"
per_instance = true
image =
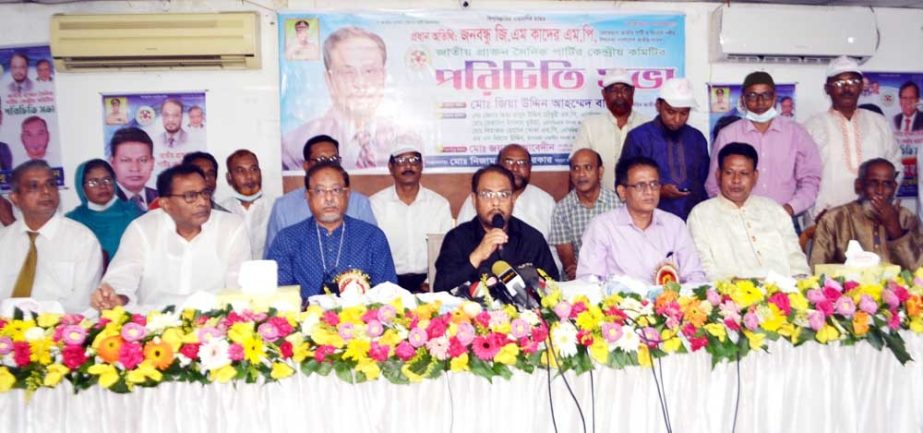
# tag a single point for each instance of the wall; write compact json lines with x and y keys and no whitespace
{"x":243,"y":105}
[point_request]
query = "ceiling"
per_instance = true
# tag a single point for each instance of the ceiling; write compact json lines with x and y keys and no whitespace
{"x":912,"y":4}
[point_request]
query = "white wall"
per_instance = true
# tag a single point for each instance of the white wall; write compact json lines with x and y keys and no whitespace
{"x":243,"y":106}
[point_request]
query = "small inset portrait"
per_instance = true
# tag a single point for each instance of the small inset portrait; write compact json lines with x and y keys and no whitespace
{"x":116,"y":111}
{"x":720,"y":97}
{"x":301,"y":39}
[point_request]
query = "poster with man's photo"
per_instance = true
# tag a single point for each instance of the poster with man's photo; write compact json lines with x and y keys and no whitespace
{"x":174,"y":123}
{"x":29,"y":119}
{"x":896,"y":95}
{"x":724,"y":106}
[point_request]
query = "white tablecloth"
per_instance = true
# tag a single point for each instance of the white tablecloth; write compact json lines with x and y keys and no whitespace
{"x":812,"y":388}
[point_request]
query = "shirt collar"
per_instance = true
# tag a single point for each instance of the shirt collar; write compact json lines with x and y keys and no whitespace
{"x":731,"y":205}
{"x":773,"y":125}
{"x":171,"y":225}
{"x":47,"y":230}
{"x":623,"y":218}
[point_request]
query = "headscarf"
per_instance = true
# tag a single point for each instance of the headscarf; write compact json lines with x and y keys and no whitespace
{"x":108,"y":225}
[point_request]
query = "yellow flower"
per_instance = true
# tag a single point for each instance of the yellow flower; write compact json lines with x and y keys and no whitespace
{"x":599,"y":350}
{"x":240,"y":332}
{"x":104,"y":334}
{"x":717,"y":330}
{"x":671,"y":343}
{"x":108,"y":375}
{"x":413,"y":377}
{"x":873,"y":290}
{"x":426,"y":311}
{"x":774,"y":319}
{"x":353,"y":314}
{"x":322,"y":335}
{"x":390,"y":338}
{"x":16,"y":329}
{"x":644,"y":356}
{"x":357,"y":350}
{"x":143,"y":372}
{"x":281,"y":371}
{"x":797,"y":301}
{"x":175,"y":337}
{"x":746,"y":293}
{"x":590,"y":319}
{"x":223,"y":374}
{"x":47,"y":320}
{"x":756,"y":339}
{"x":827,"y":333}
{"x":811,"y":282}
{"x":54,"y":374}
{"x":551,"y":299}
{"x":460,"y":363}
{"x":791,"y":331}
{"x":41,"y":351}
{"x":116,"y":315}
{"x":398,"y":305}
{"x":7,"y":380}
{"x":552,"y":360}
{"x":188,"y":314}
{"x":369,"y":368}
{"x":254,"y":350}
{"x":916,"y":325}
{"x":507,"y":354}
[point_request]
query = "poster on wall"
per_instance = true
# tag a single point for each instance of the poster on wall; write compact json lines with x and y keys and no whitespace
{"x":724,"y":105}
{"x":29,"y":121}
{"x":459,"y":86}
{"x":174,"y":122}
{"x":897,"y":96}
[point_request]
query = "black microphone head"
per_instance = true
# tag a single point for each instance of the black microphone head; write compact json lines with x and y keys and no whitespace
{"x":497,"y":221}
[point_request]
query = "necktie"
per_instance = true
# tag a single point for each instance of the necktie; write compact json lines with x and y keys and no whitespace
{"x":136,"y":199}
{"x":366,"y":156}
{"x":23,"y":286}
{"x":19,"y":89}
{"x":170,"y":142}
{"x":906,"y":124}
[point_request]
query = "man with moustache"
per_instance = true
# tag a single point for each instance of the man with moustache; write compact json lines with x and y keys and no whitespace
{"x":909,"y":119}
{"x":470,"y":249}
{"x":847,"y":136}
{"x":246,"y":179}
{"x":209,"y":165}
{"x":787,"y":107}
{"x":679,"y":149}
{"x":19,"y":72}
{"x":172,"y":252}
{"x":575,"y":211}
{"x":173,"y":139}
{"x":789,"y":164}
{"x":875,"y":220}
{"x":131,"y":155}
{"x":407,"y":212}
{"x":605,"y":133}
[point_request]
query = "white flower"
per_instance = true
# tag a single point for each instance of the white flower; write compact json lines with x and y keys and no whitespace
{"x":34,"y":333}
{"x":439,"y":348}
{"x":472,"y":309}
{"x":530,"y":317}
{"x":633,"y":308}
{"x":213,"y":354}
{"x":157,"y":321}
{"x":308,"y":324}
{"x":564,"y":337}
{"x":629,"y":341}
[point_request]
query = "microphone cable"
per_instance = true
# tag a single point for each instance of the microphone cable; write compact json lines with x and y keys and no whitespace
{"x":554,"y":422}
{"x":661,"y":394}
{"x":566,"y":382}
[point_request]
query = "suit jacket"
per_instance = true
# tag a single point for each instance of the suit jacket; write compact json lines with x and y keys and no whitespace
{"x":917,"y":124}
{"x":6,"y":157}
{"x":150,"y":194}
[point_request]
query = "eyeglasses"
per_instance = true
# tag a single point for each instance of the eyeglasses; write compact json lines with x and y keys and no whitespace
{"x":96,"y":183}
{"x":335,"y":159}
{"x":645,"y":186}
{"x":761,"y":97}
{"x":193,"y":196}
{"x":619,"y":89}
{"x":852,"y":82}
{"x":412,"y":160}
{"x":516,"y":162}
{"x":36,"y":186}
{"x":499,"y":195}
{"x":337,"y":190}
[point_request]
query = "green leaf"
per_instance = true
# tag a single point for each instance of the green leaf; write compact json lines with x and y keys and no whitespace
{"x":391,"y":370}
{"x":875,"y":338}
{"x":480,"y":368}
{"x":896,"y":344}
{"x":502,"y":370}
{"x":343,"y":371}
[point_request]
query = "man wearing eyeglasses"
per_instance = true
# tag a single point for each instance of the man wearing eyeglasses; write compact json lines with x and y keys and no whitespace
{"x":46,"y":256}
{"x":879,"y":223}
{"x":606,"y":132}
{"x":470,"y":249}
{"x":291,"y":208}
{"x":131,"y":155}
{"x":407,"y":212}
{"x":789,"y":164}
{"x":174,"y":251}
{"x":637,"y":239}
{"x":316,"y":251}
{"x":847,"y":136}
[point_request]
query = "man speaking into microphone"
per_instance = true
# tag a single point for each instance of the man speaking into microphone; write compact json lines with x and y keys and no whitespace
{"x":470,"y":249}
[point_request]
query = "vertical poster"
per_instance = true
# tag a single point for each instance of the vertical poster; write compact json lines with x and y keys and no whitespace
{"x":174,"y":122}
{"x":896,"y":95}
{"x":29,"y":120}
{"x":461,"y":85}
{"x":725,"y":107}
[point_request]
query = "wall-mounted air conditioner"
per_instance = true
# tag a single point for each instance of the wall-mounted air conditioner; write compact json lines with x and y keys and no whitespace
{"x":791,"y":34}
{"x":143,"y":41}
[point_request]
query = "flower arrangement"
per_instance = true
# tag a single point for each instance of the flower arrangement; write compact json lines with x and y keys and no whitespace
{"x":121,"y":351}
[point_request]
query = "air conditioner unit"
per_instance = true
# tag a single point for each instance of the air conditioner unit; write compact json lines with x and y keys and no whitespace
{"x":156,"y":41}
{"x":792,"y":34}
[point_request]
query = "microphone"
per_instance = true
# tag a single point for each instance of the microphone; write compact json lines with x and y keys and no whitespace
{"x":498,"y":222}
{"x":473,"y":291}
{"x":516,"y":287}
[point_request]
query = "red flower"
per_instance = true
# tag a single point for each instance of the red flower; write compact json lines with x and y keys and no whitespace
{"x":2,"y":324}
{"x":832,"y":294}
{"x":102,"y":323}
{"x":617,"y":315}
{"x":74,"y":356}
{"x":286,"y":349}
{"x":139,"y":319}
{"x":322,"y":352}
{"x":281,"y":325}
{"x":331,"y":318}
{"x":21,"y":352}
{"x":576,"y":309}
{"x":585,"y":338}
{"x":528,"y":346}
{"x":732,"y":325}
{"x":689,"y":330}
{"x":825,"y":307}
{"x":190,"y":351}
{"x":437,"y":327}
{"x":697,"y":343}
{"x":456,"y":348}
{"x":405,"y":351}
{"x":378,"y":352}
{"x":849,"y":285}
{"x":781,"y":300}
{"x":540,"y":332}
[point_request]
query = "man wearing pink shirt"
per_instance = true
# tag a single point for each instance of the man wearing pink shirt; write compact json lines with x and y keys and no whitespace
{"x":789,"y":163}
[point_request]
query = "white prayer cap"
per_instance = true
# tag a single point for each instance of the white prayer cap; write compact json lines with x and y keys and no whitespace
{"x":678,"y":93}
{"x":842,"y":64}
{"x":617,"y":76}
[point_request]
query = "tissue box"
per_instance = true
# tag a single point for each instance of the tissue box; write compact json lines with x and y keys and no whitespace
{"x":869,"y":275}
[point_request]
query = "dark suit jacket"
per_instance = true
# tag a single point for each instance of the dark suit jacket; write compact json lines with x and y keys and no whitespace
{"x":917,"y":124}
{"x":150,"y":194}
{"x":6,"y":157}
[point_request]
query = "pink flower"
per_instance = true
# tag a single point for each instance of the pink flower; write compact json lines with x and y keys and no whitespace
{"x":346,"y":330}
{"x":268,"y":331}
{"x":890,"y":298}
{"x":540,"y":332}
{"x":386,"y":313}
{"x":236,"y":352}
{"x":611,"y":332}
{"x":286,"y":349}
{"x":74,"y":356}
{"x":831,"y":293}
{"x":73,"y":335}
{"x":439,"y":348}
{"x":139,"y":319}
{"x":650,"y":336}
{"x":815,"y":296}
{"x":751,"y":320}
{"x":816,"y":320}
{"x":378,"y":352}
{"x":417,"y":337}
{"x":208,"y":332}
{"x":781,"y":300}
{"x":825,"y":306}
{"x":696,"y":343}
{"x":849,"y":285}
{"x":69,"y":319}
{"x":713,"y":297}
{"x":6,"y":345}
{"x":577,"y":309}
{"x":894,"y":322}
{"x":465,"y":333}
{"x":21,"y":353}
{"x":832,"y":284}
{"x":374,"y":328}
{"x":370,"y":315}
{"x":485,"y":348}
{"x":281,"y":325}
{"x":732,"y":325}
{"x":519,"y":328}
{"x":456,"y":348}
{"x":845,"y":307}
{"x":437,"y":327}
{"x":331,"y":318}
{"x":563,"y":310}
{"x":131,"y":354}
{"x":322,"y":352}
{"x":483,"y":319}
{"x":730,"y":310}
{"x":190,"y":350}
{"x":132,"y":331}
{"x":405,"y":351}
{"x":868,"y":305}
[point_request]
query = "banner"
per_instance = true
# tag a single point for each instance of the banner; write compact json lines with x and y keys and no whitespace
{"x":175,"y":122}
{"x":459,"y":85}
{"x":724,"y":105}
{"x":897,"y":96}
{"x":29,"y":122}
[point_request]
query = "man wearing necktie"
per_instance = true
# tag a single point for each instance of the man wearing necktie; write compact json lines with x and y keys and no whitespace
{"x":131,"y":153}
{"x":909,"y":119}
{"x":47,"y":257}
{"x":19,"y":72}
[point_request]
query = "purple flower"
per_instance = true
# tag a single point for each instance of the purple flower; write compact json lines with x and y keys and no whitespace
{"x":374,"y":328}
{"x":650,"y":336}
{"x":417,"y":337}
{"x":845,"y":307}
{"x":73,"y":335}
{"x":611,"y":331}
{"x":346,"y":330}
{"x":867,"y":304}
{"x":751,"y":321}
{"x":6,"y":345}
{"x":816,"y":320}
{"x":519,"y":328}
{"x":465,"y":333}
{"x":132,"y":331}
{"x":268,"y":331}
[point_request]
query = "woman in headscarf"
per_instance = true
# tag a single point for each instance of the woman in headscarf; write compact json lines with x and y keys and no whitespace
{"x":100,"y":209}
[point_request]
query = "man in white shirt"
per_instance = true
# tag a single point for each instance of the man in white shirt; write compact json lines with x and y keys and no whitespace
{"x":743,"y":235}
{"x":172,"y":252}
{"x":847,"y":136}
{"x":246,"y":179}
{"x":46,"y":257}
{"x":606,"y":132}
{"x":407,"y":212}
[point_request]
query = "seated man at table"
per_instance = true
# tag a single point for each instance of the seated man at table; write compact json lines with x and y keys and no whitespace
{"x":881,"y":225}
{"x":181,"y":248}
{"x":45,"y":256}
{"x":316,"y":252}
{"x":739,"y":234}
{"x":638,"y":239}
{"x":470,"y":249}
